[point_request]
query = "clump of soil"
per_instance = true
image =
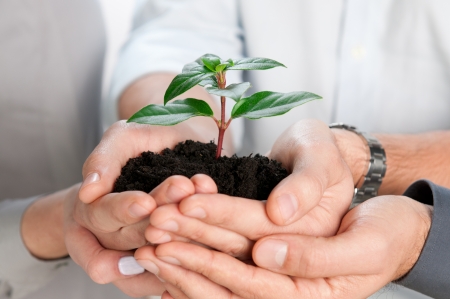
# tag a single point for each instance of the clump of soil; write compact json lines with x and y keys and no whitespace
{"x":249,"y":177}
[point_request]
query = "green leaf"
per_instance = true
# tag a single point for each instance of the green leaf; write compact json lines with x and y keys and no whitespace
{"x":195,"y":67}
{"x":221,"y":67}
{"x":268,"y":103}
{"x":183,"y":82}
{"x":256,"y":63}
{"x":230,"y":62}
{"x":208,"y":56}
{"x":211,"y":62}
{"x":209,"y":81}
{"x":232,"y":91}
{"x":172,"y":113}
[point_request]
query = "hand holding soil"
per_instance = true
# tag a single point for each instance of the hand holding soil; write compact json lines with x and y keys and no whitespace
{"x":321,"y":184}
{"x":377,"y":242}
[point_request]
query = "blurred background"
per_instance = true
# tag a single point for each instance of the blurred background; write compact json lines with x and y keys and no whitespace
{"x":117,"y":15}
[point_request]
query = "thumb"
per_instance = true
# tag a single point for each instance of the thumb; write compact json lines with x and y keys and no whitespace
{"x":120,"y":142}
{"x":316,"y":257}
{"x":104,"y":164}
{"x":308,"y":148}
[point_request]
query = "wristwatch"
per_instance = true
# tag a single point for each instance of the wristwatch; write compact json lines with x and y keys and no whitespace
{"x":376,"y":169}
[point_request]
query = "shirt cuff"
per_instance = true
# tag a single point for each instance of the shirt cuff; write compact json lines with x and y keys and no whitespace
{"x":431,"y":273}
{"x":20,"y":272}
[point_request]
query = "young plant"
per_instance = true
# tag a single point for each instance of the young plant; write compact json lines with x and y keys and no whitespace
{"x":209,"y":71}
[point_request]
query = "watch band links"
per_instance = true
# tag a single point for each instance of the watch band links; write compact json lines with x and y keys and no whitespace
{"x":376,"y":169}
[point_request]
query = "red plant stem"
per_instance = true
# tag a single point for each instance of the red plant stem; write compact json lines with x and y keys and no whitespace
{"x":223,"y":126}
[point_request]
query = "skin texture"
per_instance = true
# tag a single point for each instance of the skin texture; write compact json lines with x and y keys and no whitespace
{"x":97,"y":235}
{"x":377,"y":242}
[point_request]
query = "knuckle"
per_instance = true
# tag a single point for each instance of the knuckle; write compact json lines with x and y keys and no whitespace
{"x":312,"y":261}
{"x":237,"y":249}
{"x":135,"y":239}
{"x":198,"y":234}
{"x":93,"y":269}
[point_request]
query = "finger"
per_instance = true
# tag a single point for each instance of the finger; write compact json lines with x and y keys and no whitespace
{"x":119,"y":143}
{"x":158,"y":236}
{"x":204,"y":184}
{"x":180,"y":282}
{"x":168,"y":218}
{"x":173,"y":190}
{"x":309,"y":151}
{"x":114,"y":211}
{"x":166,"y":295}
{"x":145,"y":284}
{"x":174,"y":292}
{"x":244,"y":216}
{"x":100,"y":264}
{"x":241,"y":279}
{"x":356,"y":252}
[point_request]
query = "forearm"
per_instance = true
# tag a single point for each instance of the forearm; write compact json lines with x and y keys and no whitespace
{"x":150,"y":90}
{"x":408,"y":158}
{"x":42,"y":227}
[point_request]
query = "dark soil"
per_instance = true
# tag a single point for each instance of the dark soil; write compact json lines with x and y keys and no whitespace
{"x":249,"y":177}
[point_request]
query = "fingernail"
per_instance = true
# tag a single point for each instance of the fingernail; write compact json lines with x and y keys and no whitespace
{"x":196,"y":213}
{"x":288,"y":205}
{"x":91,"y":178}
{"x":163,"y":239}
{"x":149,"y":266}
{"x":129,"y":266}
{"x":170,"y":260}
{"x":137,"y":211}
{"x":271,"y":254}
{"x":169,"y":225}
{"x":175,"y":193}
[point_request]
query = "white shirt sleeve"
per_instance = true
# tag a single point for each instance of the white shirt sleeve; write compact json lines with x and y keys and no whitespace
{"x":20,"y":272}
{"x":166,"y":35}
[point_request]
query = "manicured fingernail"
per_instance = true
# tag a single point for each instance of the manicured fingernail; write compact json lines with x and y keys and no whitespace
{"x":170,"y":260}
{"x":196,"y":213}
{"x":137,"y":211}
{"x":271,"y":254}
{"x":288,"y":205}
{"x":169,"y":225}
{"x":91,"y":178}
{"x":129,"y":266}
{"x":149,"y":266}
{"x":163,"y":239}
{"x":174,"y":194}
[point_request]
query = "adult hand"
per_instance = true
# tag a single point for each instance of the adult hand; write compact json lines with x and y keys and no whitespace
{"x":99,"y":236}
{"x":321,"y":184}
{"x":123,"y":141}
{"x":320,"y":187}
{"x":377,"y":242}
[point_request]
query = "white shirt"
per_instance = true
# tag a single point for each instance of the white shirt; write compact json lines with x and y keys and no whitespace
{"x":381,"y":65}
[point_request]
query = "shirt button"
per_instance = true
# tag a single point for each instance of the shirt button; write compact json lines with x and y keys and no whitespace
{"x":359,"y":52}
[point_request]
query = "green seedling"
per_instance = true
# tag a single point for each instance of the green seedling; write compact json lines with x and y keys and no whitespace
{"x":209,"y":71}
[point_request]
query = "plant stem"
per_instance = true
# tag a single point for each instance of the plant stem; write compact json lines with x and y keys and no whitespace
{"x":221,"y":82}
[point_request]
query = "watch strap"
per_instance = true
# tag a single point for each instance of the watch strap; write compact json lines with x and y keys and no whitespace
{"x":376,"y":169}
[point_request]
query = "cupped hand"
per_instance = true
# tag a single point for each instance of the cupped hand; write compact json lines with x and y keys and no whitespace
{"x":105,"y":265}
{"x":100,"y":236}
{"x":321,"y":183}
{"x":377,"y":242}
{"x":123,"y":141}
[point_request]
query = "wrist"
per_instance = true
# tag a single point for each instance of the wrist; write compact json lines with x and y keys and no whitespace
{"x":355,"y":153}
{"x":42,"y":227}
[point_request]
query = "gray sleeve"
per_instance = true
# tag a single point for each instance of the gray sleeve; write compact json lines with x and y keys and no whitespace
{"x":20,"y":272}
{"x":431,"y":274}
